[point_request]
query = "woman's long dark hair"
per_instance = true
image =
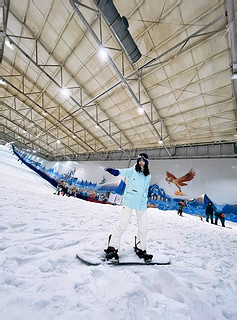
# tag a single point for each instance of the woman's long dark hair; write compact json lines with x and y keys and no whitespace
{"x":146,"y":170}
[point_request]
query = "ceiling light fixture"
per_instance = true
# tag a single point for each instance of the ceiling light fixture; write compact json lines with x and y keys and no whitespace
{"x":44,"y":113}
{"x":234,"y":76}
{"x":9,"y":44}
{"x":2,"y":81}
{"x":103,"y":53}
{"x":141,"y":110}
{"x":161,"y":141}
{"x":65,"y":92}
{"x":58,"y":141}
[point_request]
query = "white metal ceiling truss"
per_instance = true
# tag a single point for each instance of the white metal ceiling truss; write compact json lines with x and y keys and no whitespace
{"x":181,"y":83}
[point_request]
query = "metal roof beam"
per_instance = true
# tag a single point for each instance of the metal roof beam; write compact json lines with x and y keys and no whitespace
{"x":201,"y":151}
{"x":232,"y":22}
{"x":51,"y":79}
{"x":40,"y":107}
{"x":35,"y":125}
{"x":26,"y":144}
{"x":74,"y":100}
{"x":123,"y":80}
{"x":4,"y":10}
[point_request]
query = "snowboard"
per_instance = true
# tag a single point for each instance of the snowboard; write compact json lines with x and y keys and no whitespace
{"x":123,"y":261}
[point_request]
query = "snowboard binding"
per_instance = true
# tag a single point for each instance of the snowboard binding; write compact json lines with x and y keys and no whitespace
{"x":111,"y":252}
{"x":142,"y":254}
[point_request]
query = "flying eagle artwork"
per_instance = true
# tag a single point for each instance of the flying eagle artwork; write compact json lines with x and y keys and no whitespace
{"x":180,"y":182}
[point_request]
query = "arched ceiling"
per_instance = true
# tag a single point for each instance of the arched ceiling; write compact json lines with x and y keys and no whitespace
{"x":180,"y":91}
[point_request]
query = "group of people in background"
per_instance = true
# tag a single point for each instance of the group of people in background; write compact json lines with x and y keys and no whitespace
{"x":210,"y":211}
{"x":63,"y":188}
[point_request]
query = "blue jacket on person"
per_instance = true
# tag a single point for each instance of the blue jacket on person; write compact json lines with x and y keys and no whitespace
{"x":136,"y":191}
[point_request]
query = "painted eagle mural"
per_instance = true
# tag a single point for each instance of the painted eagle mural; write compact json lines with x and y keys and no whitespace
{"x":180,"y":182}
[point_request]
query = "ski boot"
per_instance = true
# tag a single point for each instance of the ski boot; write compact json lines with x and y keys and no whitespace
{"x":111,"y":253}
{"x":142,"y":254}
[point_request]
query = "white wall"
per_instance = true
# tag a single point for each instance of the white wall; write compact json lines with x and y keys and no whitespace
{"x":215,"y":177}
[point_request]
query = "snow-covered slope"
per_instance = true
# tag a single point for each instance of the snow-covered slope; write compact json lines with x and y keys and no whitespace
{"x":40,"y":278}
{"x":15,"y":175}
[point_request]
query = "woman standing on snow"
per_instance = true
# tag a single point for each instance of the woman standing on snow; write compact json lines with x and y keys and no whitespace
{"x":135,"y":197}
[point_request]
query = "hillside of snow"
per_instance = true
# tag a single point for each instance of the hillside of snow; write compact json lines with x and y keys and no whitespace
{"x":40,"y":278}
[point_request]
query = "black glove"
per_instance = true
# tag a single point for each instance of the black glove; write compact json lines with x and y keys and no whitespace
{"x":112,"y":171}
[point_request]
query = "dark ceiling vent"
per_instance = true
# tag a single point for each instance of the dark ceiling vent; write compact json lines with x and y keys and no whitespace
{"x":119,"y":26}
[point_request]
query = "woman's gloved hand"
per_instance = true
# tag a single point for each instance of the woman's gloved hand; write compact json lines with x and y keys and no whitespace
{"x":112,"y":171}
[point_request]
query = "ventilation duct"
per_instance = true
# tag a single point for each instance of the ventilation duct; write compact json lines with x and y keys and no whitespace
{"x":119,"y":26}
